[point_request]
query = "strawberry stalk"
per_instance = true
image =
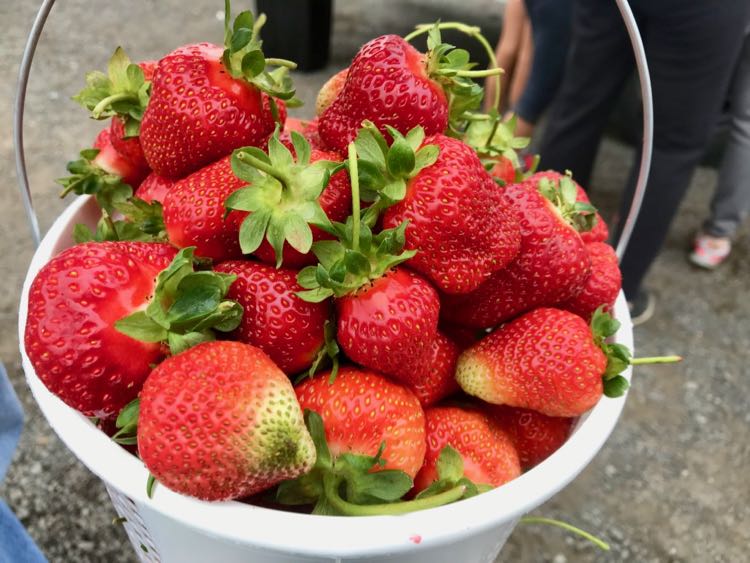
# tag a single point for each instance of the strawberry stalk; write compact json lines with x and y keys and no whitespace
{"x":604,"y":546}
{"x":354,"y":177}
{"x":331,"y":488}
{"x":458,"y":111}
{"x":655,"y":360}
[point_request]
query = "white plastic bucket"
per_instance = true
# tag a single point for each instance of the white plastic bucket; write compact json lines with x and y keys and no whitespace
{"x":174,"y":528}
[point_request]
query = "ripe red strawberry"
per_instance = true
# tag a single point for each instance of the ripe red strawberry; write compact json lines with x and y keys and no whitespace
{"x":602,"y":285}
{"x":545,"y":360}
{"x":288,"y":329}
{"x":390,"y":324}
{"x":489,"y":457}
{"x":194,"y":212}
{"x":551,"y":266}
{"x":504,"y":170}
{"x":435,"y":379}
{"x":536,"y":436}
{"x":154,"y":188}
{"x":208,"y":100}
{"x":361,"y":410}
{"x":129,"y":147}
{"x":599,"y":232}
{"x":308,"y":129}
{"x":70,"y":338}
{"x":221,"y":421}
{"x":329,"y":91}
{"x":392,"y":84}
{"x":458,"y":221}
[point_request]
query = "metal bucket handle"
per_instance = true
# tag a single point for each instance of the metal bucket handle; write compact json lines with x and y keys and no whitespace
{"x":630,"y":25}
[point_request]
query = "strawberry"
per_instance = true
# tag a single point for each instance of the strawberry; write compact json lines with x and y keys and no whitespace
{"x":221,"y":421}
{"x":602,"y":285}
{"x":309,"y":130}
{"x":208,"y":100}
{"x":503,"y":170}
{"x":392,"y":84}
{"x":70,"y":337}
{"x":536,"y":436}
{"x":435,"y":378}
{"x":551,"y":266}
{"x":129,"y":147}
{"x":390,"y":324}
{"x":154,"y":188}
{"x":457,"y":219}
{"x":288,"y":329}
{"x":487,"y":453}
{"x":362,"y":410}
{"x":194,"y":213}
{"x":546,"y":360}
{"x":599,"y":232}
{"x":329,"y":91}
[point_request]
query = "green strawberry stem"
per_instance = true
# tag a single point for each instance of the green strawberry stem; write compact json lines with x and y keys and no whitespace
{"x":331,"y":487}
{"x":264,"y":167}
{"x":102,"y":105}
{"x":354,"y":177}
{"x":655,"y":360}
{"x":471,"y":31}
{"x":291,"y":65}
{"x":604,"y":546}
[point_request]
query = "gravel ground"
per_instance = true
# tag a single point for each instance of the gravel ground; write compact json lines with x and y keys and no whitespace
{"x":668,"y":486}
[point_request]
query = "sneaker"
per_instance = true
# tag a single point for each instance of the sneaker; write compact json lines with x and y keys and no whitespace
{"x":642,"y":307}
{"x":708,"y":251}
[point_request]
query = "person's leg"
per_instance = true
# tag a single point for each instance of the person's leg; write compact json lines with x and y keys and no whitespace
{"x":523,"y":66}
{"x":599,"y":61}
{"x":692,"y":48}
{"x":731,"y":200}
{"x":507,"y":49}
{"x":550,"y":37}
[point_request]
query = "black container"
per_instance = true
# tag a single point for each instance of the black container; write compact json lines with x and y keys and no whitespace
{"x":298,"y":30}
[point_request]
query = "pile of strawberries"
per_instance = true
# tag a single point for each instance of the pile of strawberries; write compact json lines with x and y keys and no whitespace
{"x":377,"y":311}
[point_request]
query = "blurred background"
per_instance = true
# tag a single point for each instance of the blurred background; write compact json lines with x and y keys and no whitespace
{"x":670,"y":485}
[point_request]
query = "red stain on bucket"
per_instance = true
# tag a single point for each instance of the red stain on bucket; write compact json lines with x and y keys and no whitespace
{"x":416,"y":538}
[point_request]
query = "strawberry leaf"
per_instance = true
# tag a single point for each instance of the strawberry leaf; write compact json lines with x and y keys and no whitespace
{"x":187,"y":307}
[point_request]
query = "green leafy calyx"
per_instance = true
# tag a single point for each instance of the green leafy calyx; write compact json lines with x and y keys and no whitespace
{"x":127,"y":424}
{"x":243,"y":57}
{"x":343,"y":270}
{"x":604,"y":326}
{"x":87,"y":177}
{"x":187,"y":307}
{"x":122,"y":92}
{"x":384,"y":171}
{"x":450,"y":469}
{"x":492,"y":138}
{"x":281,"y":196}
{"x":142,"y":222}
{"x":563,"y":195}
{"x":453,"y":70}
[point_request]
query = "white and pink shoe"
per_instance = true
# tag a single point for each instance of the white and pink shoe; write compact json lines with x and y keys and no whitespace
{"x":709,"y":251}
